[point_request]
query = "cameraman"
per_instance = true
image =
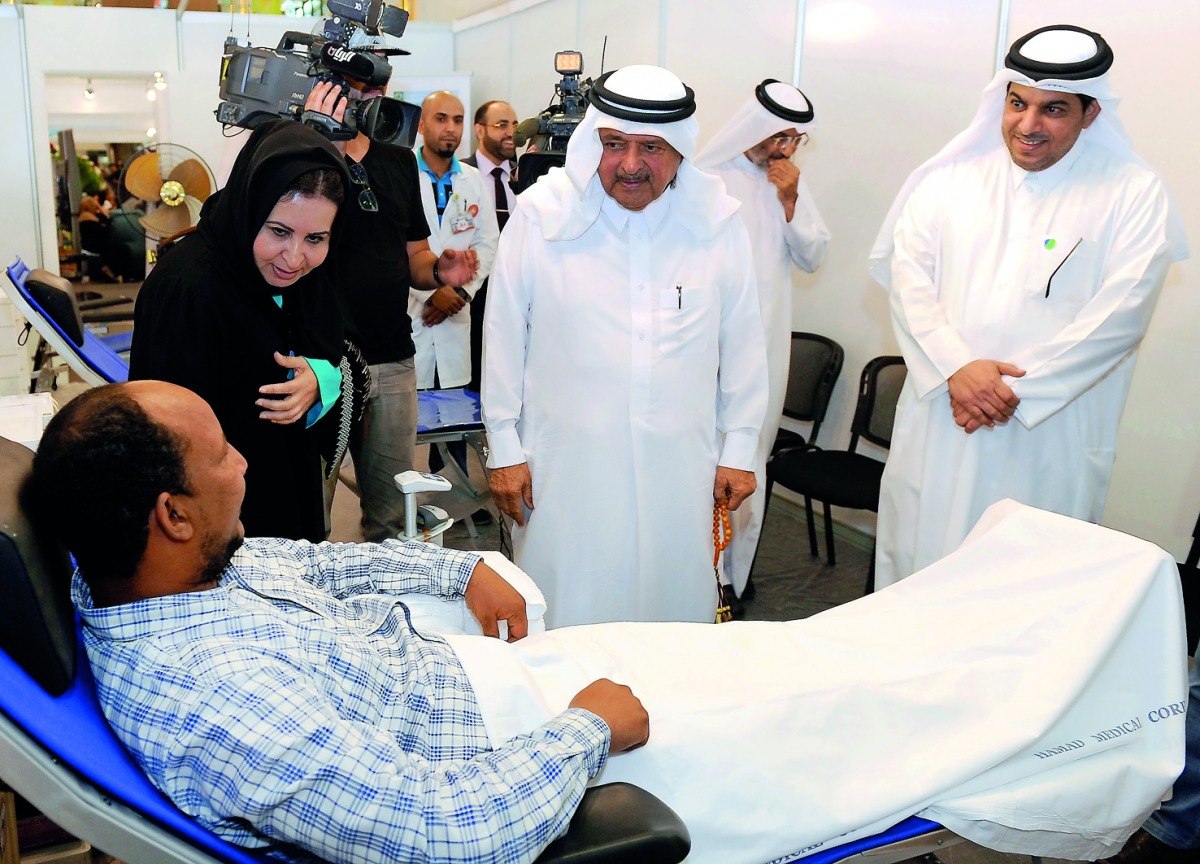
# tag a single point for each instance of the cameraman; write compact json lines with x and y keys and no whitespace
{"x":383,"y":251}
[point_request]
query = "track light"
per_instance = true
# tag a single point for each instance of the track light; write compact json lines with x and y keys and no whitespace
{"x":160,"y":83}
{"x":151,"y":94}
{"x":151,"y":132}
{"x":89,"y":92}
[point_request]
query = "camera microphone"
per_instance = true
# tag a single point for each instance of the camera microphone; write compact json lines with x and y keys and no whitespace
{"x":525,"y":130}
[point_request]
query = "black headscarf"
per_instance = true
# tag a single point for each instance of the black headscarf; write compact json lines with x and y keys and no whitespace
{"x":273,"y":157}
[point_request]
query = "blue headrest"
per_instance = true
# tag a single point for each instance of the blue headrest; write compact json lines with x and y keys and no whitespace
{"x":56,"y":296}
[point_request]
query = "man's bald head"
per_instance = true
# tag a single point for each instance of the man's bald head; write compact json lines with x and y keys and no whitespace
{"x":441,"y":124}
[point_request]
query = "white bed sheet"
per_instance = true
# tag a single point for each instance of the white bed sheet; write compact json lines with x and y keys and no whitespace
{"x":1011,"y":691}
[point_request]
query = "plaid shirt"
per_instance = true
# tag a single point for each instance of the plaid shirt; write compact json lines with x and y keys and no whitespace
{"x":294,"y":705}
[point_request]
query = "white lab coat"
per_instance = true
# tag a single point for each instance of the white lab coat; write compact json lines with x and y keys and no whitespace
{"x":469,"y":222}
{"x":615,"y":363}
{"x":777,"y":245}
{"x":975,"y":247}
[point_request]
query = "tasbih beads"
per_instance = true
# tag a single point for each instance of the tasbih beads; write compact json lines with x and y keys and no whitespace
{"x":722,"y":535}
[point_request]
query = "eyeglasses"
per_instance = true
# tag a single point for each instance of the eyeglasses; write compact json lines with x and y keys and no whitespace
{"x":366,"y":197}
{"x":502,"y":125}
{"x":793,"y":140}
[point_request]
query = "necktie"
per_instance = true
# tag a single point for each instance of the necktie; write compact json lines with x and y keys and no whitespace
{"x":501,"y":197}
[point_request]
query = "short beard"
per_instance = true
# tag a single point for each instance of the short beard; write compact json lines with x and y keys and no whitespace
{"x":444,"y":154}
{"x":495,"y":149}
{"x":217,"y":557}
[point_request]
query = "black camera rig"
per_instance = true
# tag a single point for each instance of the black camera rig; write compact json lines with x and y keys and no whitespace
{"x":260,"y":84}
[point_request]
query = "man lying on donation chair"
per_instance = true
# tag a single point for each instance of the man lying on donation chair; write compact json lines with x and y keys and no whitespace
{"x":276,"y":691}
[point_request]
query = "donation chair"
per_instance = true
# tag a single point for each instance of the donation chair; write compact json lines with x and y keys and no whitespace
{"x":49,"y":304}
{"x":845,"y":478}
{"x":57,"y":750}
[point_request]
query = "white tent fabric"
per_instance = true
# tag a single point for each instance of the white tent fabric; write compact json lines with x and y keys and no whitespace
{"x":1018,"y":691}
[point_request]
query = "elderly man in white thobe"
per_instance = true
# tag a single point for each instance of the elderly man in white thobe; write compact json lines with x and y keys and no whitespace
{"x":625,"y":382}
{"x":753,"y":154}
{"x":1023,"y":263}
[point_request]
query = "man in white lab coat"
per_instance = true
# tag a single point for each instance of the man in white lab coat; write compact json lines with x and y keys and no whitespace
{"x":1023,"y":268}
{"x":626,"y":376}
{"x":753,"y":154}
{"x":460,"y":216}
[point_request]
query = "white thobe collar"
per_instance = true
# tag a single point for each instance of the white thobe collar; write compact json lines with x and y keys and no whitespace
{"x":652,"y":215}
{"x":1047,"y":178}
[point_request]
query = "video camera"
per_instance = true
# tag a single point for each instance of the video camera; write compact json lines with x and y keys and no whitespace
{"x":551,"y":129}
{"x":260,"y":84}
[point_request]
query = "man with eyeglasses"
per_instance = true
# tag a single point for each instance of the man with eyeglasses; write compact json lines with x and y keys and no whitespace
{"x":753,"y":153}
{"x":496,"y":160}
{"x":383,"y":251}
{"x":1023,"y":263}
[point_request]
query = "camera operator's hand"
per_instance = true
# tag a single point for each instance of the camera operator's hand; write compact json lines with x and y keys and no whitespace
{"x":457,"y":267}
{"x":329,"y":99}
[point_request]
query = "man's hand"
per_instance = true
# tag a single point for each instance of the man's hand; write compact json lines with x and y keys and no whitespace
{"x":785,"y":177}
{"x":490,"y":599}
{"x":615,"y":704}
{"x":733,"y":486}
{"x":457,"y":267}
{"x":447,"y":301}
{"x":978,"y":393}
{"x":511,"y":486}
{"x":289,"y":401}
{"x":431,"y":316}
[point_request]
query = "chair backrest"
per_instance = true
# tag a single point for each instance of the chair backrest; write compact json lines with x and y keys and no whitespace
{"x":816,"y":362}
{"x":47,"y":693}
{"x":48,"y":302}
{"x":878,"y":392}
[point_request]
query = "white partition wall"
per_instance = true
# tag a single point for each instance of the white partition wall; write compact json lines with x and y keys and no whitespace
{"x":892,"y":82}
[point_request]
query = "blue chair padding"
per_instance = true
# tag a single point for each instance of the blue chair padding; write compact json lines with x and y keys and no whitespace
{"x":73,"y":728}
{"x":119,"y":342}
{"x":913,"y":826}
{"x":453,"y":410}
{"x":101,"y":358}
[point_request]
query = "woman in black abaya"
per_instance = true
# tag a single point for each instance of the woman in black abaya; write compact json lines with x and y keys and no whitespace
{"x":240,"y":312}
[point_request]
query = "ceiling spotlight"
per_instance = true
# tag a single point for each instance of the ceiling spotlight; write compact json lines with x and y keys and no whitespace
{"x":88,"y":92}
{"x":151,"y":94}
{"x":160,"y":83}
{"x":151,"y":132}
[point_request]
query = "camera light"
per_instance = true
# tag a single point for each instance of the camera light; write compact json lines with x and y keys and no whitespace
{"x":568,"y":63}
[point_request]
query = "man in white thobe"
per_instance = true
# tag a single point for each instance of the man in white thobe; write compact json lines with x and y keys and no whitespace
{"x":626,"y":376}
{"x":1022,"y":269}
{"x":753,"y":154}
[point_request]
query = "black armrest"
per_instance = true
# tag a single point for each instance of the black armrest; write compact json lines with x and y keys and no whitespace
{"x":620,"y":824}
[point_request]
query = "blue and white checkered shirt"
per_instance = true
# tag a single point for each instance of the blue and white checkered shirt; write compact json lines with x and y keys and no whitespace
{"x":294,"y":705}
